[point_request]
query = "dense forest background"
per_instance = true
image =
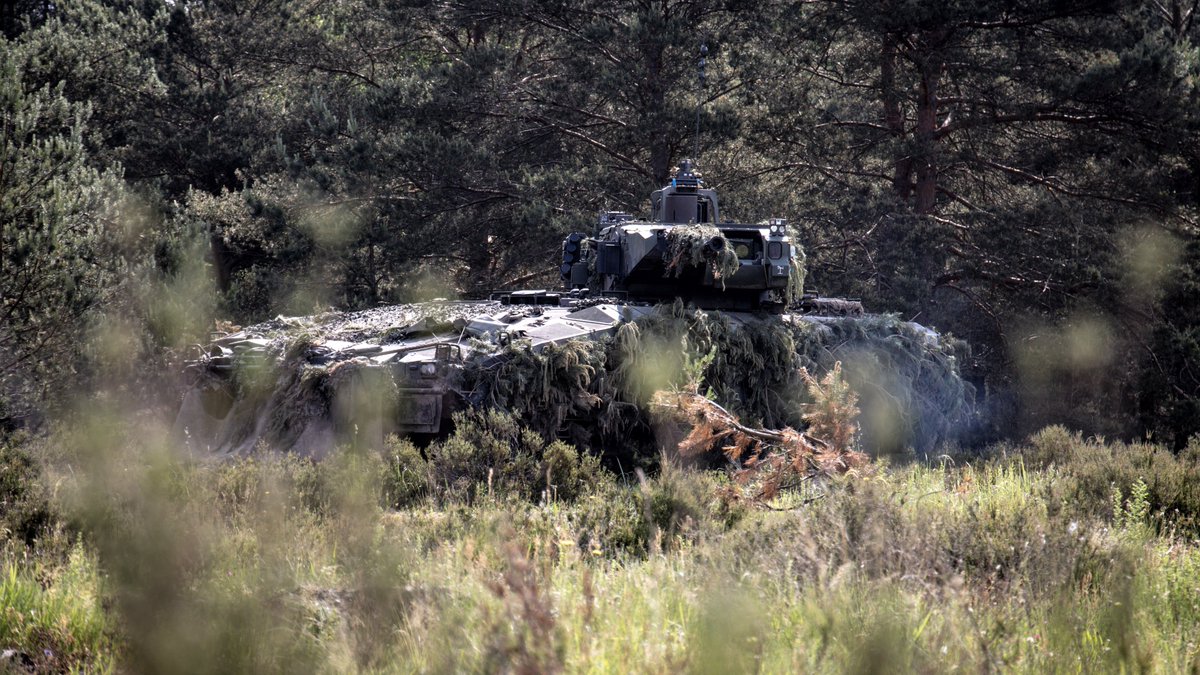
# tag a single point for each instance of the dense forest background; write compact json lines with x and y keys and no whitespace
{"x":1024,"y":174}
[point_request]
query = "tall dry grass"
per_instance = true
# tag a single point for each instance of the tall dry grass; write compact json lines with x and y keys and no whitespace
{"x":271,"y":564}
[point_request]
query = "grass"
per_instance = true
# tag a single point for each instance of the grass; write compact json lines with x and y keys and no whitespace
{"x":54,"y":615}
{"x":275,"y":564}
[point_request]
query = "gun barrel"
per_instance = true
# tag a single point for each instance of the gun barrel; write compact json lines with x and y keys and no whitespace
{"x":714,"y":245}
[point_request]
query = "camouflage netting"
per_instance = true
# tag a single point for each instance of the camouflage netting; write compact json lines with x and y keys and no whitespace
{"x":697,"y":246}
{"x":795,"y":287}
{"x":296,"y":404}
{"x":288,"y":393}
{"x":380,"y":325}
{"x":285,"y":395}
{"x":545,"y":389}
{"x":907,"y":379}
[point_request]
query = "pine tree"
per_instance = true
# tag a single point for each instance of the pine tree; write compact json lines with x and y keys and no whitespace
{"x":55,"y":243}
{"x":1170,"y":391}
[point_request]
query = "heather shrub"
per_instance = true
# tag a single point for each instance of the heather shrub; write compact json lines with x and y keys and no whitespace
{"x":491,"y":454}
{"x":1091,"y":470}
{"x":406,"y":473}
{"x":609,"y":520}
{"x":1054,"y":444}
{"x":682,"y":505}
{"x":567,"y":471}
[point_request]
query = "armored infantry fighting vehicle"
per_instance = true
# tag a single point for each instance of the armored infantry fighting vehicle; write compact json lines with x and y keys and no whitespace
{"x":306,"y":384}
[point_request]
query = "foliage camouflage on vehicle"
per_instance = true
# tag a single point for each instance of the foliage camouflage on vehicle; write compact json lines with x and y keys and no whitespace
{"x":585,"y":363}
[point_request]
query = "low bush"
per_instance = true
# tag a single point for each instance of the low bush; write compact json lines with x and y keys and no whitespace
{"x":491,"y":454}
{"x":1053,"y":445}
{"x":608,"y":520}
{"x":1092,"y":470}
{"x":25,"y":510}
{"x":683,"y":504}
{"x":406,"y":475}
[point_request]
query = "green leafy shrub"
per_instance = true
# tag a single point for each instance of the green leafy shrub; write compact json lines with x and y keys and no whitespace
{"x":255,"y":293}
{"x":660,"y":514}
{"x":1053,"y":445}
{"x":567,"y":471}
{"x":25,"y":510}
{"x":1132,"y":514}
{"x":406,"y":475}
{"x":609,"y":520}
{"x":488,"y":453}
{"x":491,"y":454}
{"x":683,"y":504}
{"x":1092,"y":469}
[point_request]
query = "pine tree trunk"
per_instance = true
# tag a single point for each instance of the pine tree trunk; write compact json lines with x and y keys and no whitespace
{"x":221,"y":262}
{"x":660,"y":152}
{"x":893,"y":119}
{"x":373,"y":275}
{"x":927,"y":113}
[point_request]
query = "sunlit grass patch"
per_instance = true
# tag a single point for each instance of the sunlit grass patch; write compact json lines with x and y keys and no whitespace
{"x":53,"y":618}
{"x":274,"y":564}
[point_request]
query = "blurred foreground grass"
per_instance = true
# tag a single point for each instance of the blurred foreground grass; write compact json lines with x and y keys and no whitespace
{"x":1063,"y":554}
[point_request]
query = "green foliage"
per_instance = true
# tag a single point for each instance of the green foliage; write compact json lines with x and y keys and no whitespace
{"x":1134,"y":512}
{"x":406,"y":476}
{"x":1052,"y":445}
{"x":25,"y":509}
{"x":1170,"y":387}
{"x":609,"y":521}
{"x":276,"y":563}
{"x":57,"y":239}
{"x":693,"y":368}
{"x":682,"y":505}
{"x":568,"y":473}
{"x":56,"y":623}
{"x":263,"y":258}
{"x":1161,"y":484}
{"x":984,"y":242}
{"x":491,"y":455}
{"x":488,"y":453}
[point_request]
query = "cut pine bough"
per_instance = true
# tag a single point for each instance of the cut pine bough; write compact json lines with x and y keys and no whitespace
{"x":765,"y":462}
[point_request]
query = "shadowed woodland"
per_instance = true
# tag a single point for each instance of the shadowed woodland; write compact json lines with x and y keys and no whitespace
{"x":1021,"y":175}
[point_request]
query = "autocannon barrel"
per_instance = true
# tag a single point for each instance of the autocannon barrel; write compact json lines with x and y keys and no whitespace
{"x":714,"y":245}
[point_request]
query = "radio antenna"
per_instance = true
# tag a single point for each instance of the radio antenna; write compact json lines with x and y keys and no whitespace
{"x":701,"y":64}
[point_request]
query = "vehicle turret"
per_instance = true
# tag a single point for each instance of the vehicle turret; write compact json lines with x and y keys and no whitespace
{"x":685,"y":251}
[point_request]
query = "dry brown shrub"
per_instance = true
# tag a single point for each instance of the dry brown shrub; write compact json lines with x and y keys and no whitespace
{"x":834,"y":408}
{"x":768,"y":461}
